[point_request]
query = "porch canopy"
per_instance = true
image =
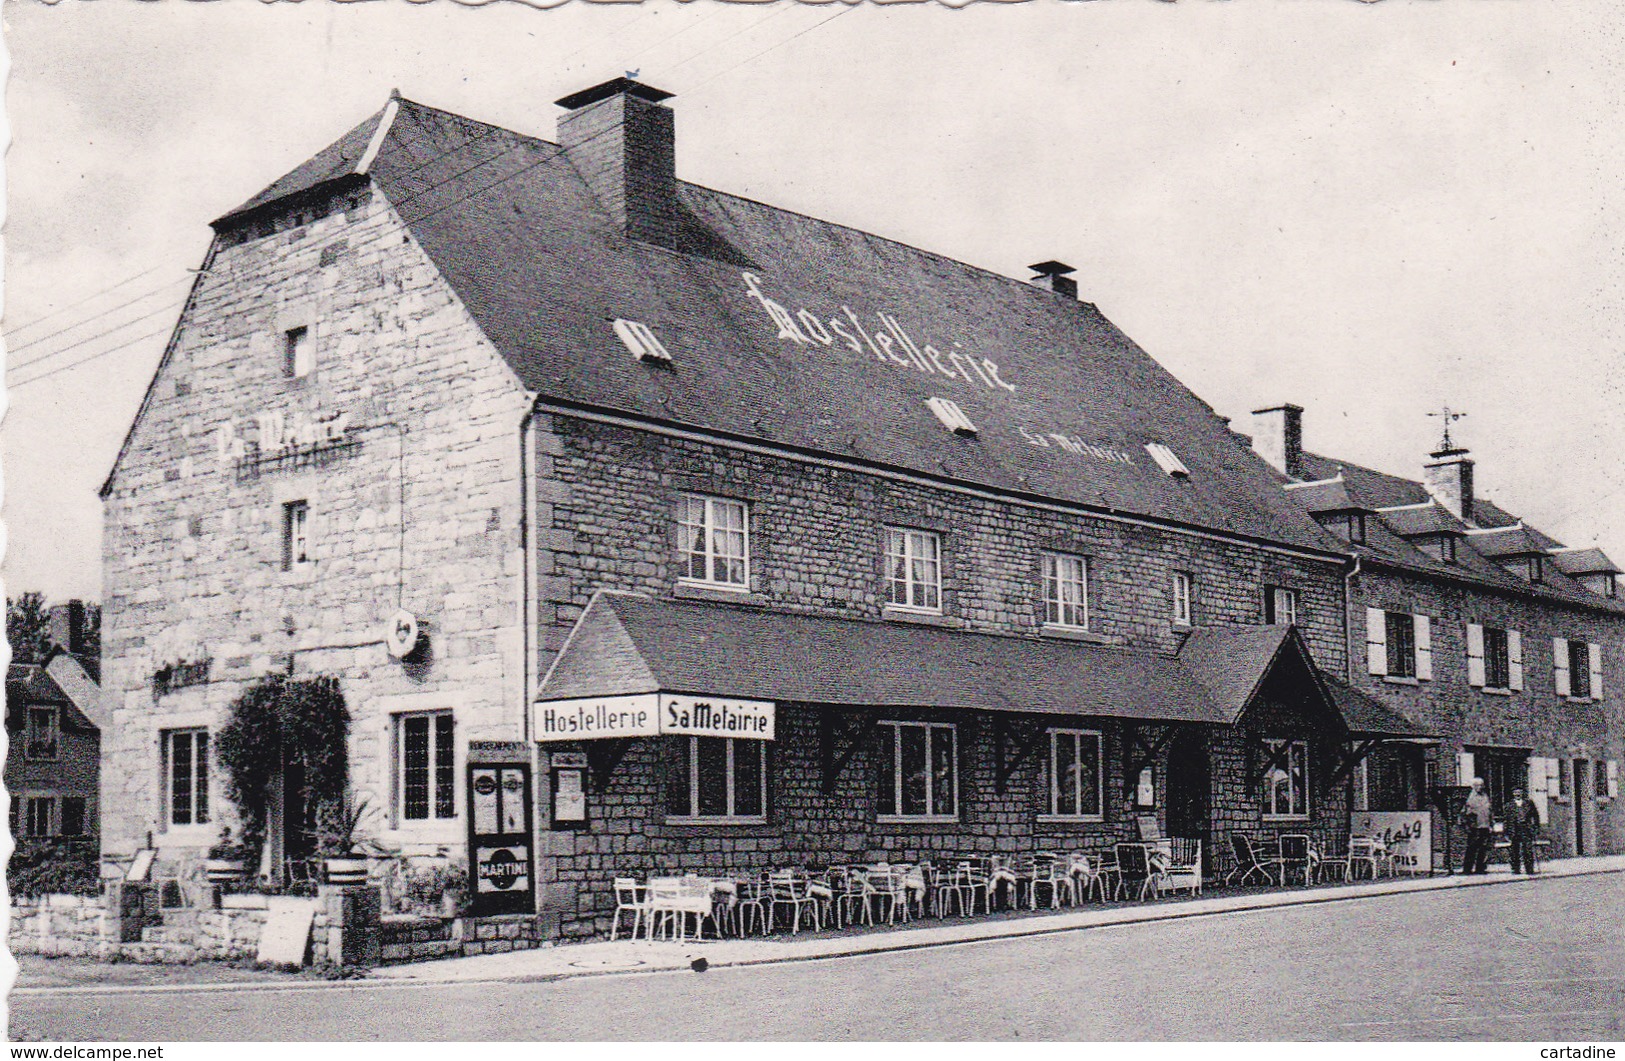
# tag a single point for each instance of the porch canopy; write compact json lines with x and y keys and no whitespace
{"x":633,"y":665}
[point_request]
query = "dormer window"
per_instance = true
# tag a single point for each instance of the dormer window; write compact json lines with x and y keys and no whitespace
{"x":1350,"y":526}
{"x":1441,"y":547}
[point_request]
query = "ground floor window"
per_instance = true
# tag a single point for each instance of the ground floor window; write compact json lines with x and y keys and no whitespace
{"x":426,"y":770}
{"x":185,"y":754}
{"x":39,"y":816}
{"x":1075,"y":783}
{"x":1286,"y":785}
{"x":717,"y":779}
{"x":919,"y":771}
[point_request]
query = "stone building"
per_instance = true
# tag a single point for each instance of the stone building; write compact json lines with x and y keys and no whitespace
{"x":1481,"y":629}
{"x":764,"y":540}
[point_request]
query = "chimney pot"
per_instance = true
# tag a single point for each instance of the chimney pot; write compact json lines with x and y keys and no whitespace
{"x":1278,"y":437}
{"x":1052,"y":276}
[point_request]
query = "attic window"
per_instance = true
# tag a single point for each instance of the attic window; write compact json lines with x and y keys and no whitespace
{"x":641,"y":341}
{"x":952,"y":416}
{"x":1167,"y":461}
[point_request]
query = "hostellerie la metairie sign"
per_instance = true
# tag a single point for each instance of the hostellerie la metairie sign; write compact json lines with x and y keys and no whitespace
{"x":652,"y":714}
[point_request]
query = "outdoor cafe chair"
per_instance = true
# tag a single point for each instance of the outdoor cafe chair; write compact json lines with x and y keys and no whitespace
{"x":851,"y":896}
{"x":1054,"y":878}
{"x":1363,"y":851}
{"x":1182,"y":866}
{"x":889,"y":886}
{"x":1297,"y":856}
{"x":751,"y":906}
{"x":1330,"y":864}
{"x":1135,"y":869}
{"x":630,"y":898}
{"x":973,"y":879}
{"x":1250,"y":862}
{"x":1088,"y":878}
{"x":791,"y":889}
{"x":1007,"y":879}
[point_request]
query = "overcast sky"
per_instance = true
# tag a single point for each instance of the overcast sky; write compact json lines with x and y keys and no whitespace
{"x":1369,"y":210}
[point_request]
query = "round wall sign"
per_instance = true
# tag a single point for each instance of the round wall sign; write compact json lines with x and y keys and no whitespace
{"x":401,"y":633}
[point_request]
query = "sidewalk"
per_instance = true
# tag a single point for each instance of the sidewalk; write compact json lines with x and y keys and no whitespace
{"x":628,"y":956}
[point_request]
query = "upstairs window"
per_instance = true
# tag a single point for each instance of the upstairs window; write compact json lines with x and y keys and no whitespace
{"x":713,"y":538}
{"x":298,"y":353}
{"x":425,"y":766}
{"x":1399,"y":646}
{"x":913,"y":570}
{"x":919,"y":771}
{"x":295,"y":534}
{"x":73,"y":816}
{"x":1280,"y":606}
{"x":1182,"y":598}
{"x":1494,"y":658}
{"x":185,"y":755}
{"x":39,"y":816}
{"x":40,"y":742}
{"x":1577,"y":669}
{"x":1066,"y":591}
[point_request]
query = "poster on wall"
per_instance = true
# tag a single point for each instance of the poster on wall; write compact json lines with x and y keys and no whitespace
{"x":1406,"y":834}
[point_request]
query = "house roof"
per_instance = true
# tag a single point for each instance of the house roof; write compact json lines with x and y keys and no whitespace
{"x":1414,"y":521}
{"x":627,"y":644}
{"x":1583,"y":562}
{"x":61,"y":682}
{"x":1503,"y":542}
{"x":1369,"y":717}
{"x":1063,"y":402}
{"x":1327,"y":495}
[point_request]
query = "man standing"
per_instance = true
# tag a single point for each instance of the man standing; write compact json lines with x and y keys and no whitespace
{"x":1476,"y":815}
{"x":1523,"y":822}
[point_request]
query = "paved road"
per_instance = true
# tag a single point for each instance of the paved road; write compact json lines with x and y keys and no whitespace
{"x":1536,"y":960}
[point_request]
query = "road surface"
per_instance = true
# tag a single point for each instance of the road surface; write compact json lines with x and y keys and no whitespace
{"x":1538,"y":960}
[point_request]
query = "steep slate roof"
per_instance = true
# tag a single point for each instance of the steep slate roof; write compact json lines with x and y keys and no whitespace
{"x":1369,"y":717}
{"x":625,"y":644}
{"x":60,"y":682}
{"x":1413,"y":520}
{"x":1584,"y":562}
{"x":544,"y":272}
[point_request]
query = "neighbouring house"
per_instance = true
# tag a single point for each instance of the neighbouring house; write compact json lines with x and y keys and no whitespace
{"x":647,"y":527}
{"x":1479,"y":628}
{"x":54,"y":723}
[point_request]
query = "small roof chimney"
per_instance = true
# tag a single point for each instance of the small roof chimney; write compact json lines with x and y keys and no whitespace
{"x":1052,"y":276}
{"x":1278,"y":437}
{"x":67,"y":626}
{"x":623,"y":142}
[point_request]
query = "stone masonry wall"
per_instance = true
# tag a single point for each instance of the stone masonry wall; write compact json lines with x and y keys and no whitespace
{"x":1535,"y":718}
{"x":419,"y":508}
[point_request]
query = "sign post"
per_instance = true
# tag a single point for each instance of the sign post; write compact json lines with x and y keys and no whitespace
{"x":501,"y":860}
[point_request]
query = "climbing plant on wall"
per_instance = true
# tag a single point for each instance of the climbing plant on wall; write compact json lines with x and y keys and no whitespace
{"x":308,"y":721}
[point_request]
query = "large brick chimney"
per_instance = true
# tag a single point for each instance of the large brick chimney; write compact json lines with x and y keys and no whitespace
{"x":1449,"y":478}
{"x":623,"y":142}
{"x":67,"y":626}
{"x":1278,"y":437}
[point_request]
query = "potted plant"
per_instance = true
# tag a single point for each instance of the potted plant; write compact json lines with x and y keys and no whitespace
{"x":226,"y":858}
{"x":343,"y":862}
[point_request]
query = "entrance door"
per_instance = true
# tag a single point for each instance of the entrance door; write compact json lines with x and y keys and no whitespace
{"x":1190,"y":788}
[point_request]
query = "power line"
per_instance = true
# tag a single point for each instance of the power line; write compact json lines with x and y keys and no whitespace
{"x":764,"y":51}
{"x":87,"y":298}
{"x":764,"y":20}
{"x":81,"y":323}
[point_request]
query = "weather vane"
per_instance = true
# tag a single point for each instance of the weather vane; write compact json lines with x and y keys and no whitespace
{"x":1449,"y":418}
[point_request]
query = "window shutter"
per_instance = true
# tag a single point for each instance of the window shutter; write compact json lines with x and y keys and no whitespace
{"x":1464,"y":768}
{"x":1613,"y":779}
{"x":1560,"y":665}
{"x":1475,"y":655}
{"x":1537,"y":775}
{"x":1595,"y":652}
{"x":1514,"y":661}
{"x":1376,"y":641}
{"x":1424,"y":647}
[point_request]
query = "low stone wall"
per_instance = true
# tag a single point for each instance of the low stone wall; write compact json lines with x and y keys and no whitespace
{"x":416,"y":939}
{"x":75,"y":925}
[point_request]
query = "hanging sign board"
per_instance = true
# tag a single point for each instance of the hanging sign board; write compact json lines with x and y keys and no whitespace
{"x":652,"y":714}
{"x":1407,"y":834}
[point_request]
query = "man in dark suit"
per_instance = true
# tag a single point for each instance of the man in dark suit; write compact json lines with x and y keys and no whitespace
{"x":1523,"y":823}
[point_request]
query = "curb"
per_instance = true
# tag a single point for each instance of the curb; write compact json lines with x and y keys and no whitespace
{"x":1140,"y":915}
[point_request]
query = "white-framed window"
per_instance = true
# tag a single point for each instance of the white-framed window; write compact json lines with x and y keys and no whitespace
{"x":1577,"y":669}
{"x":919,"y":771}
{"x":913,"y":570}
{"x":1494,"y":658}
{"x":1280,"y":606}
{"x":1182,"y":598}
{"x":185,"y":762}
{"x":1286,"y":785}
{"x":425,"y":766}
{"x":713,"y":538}
{"x":1075,"y":782}
{"x":295,"y":534}
{"x":717,"y":779}
{"x":39,"y":816}
{"x":40,"y":742}
{"x":1399,"y":645}
{"x":1066,"y":591}
{"x":298,"y":353}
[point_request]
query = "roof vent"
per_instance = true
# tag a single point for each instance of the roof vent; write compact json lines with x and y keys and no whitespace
{"x":1167,"y":461}
{"x":1052,"y":275}
{"x":641,"y":341}
{"x":952,"y":416}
